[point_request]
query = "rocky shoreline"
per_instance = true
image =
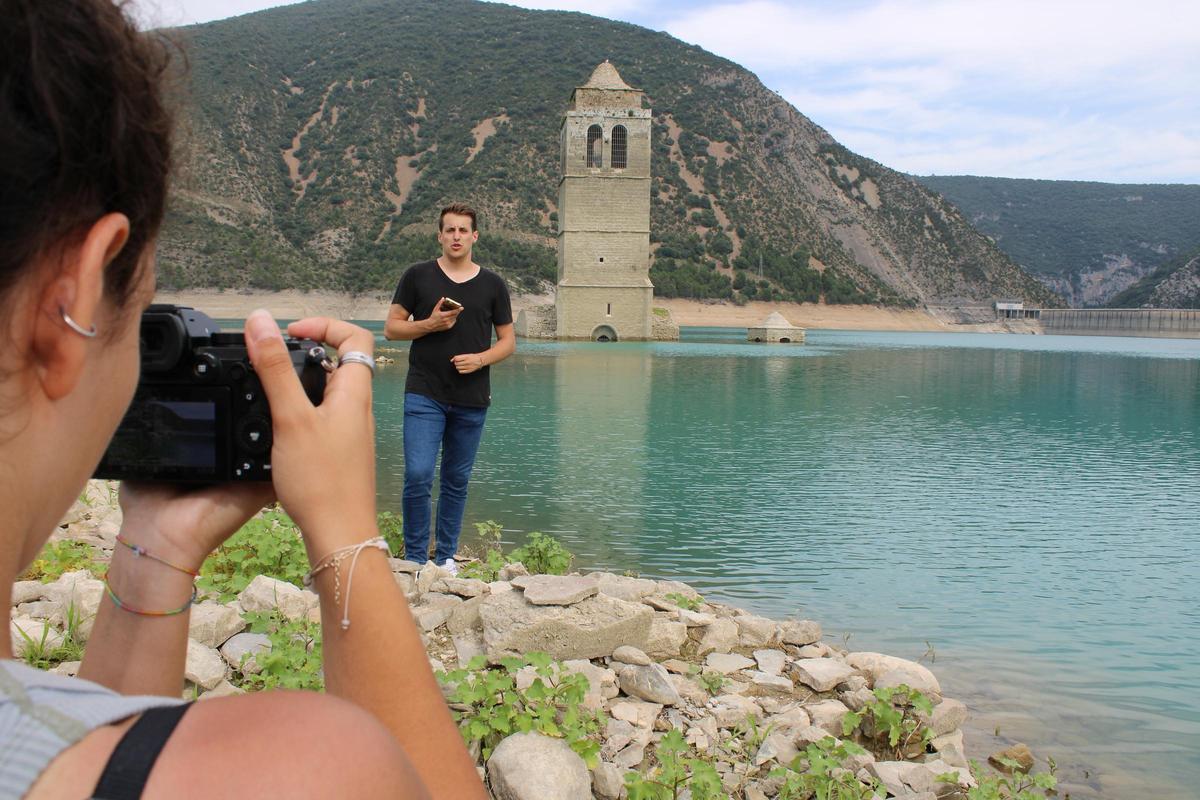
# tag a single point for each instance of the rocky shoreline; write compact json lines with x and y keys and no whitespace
{"x":749,"y":695}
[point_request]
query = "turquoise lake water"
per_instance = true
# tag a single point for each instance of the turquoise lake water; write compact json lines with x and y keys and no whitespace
{"x":1020,"y":512}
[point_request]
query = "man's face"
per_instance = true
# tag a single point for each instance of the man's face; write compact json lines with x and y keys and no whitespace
{"x":456,"y":236}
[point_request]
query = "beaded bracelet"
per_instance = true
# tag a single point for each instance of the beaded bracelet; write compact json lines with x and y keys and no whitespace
{"x":140,"y":552}
{"x":334,"y":560}
{"x":119,"y":603}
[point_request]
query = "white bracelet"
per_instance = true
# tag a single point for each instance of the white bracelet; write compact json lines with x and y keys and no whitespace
{"x":335,"y":560}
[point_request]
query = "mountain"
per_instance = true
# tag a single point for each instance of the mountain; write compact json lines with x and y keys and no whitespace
{"x":1086,"y":241}
{"x":322,"y":138}
{"x":1176,"y":284}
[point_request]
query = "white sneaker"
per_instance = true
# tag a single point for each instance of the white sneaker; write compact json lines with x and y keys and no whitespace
{"x":449,"y":566}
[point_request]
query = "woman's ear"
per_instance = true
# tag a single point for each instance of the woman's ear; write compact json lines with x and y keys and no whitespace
{"x":77,"y":290}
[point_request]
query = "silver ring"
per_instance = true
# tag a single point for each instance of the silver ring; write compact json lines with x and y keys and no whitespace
{"x":357,"y":357}
{"x":75,"y":326}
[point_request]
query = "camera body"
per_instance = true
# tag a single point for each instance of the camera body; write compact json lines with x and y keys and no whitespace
{"x":199,"y":414}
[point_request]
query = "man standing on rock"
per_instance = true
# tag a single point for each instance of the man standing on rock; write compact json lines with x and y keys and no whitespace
{"x":448,"y":308}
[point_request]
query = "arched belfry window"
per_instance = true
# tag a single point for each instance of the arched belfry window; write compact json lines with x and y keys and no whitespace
{"x":595,"y":147}
{"x":620,"y":148}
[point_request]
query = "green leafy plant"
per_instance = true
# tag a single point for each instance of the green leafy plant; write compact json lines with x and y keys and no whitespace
{"x":675,"y":774}
{"x":294,"y":660}
{"x":391,"y":528}
{"x":818,"y":773}
{"x":57,"y":558}
{"x":543,"y":554}
{"x":41,"y":652}
{"x":713,"y":682}
{"x":552,"y":705}
{"x":896,"y":716}
{"x":488,"y":566}
{"x":1017,"y":785}
{"x":685,"y":601}
{"x":267,"y":545}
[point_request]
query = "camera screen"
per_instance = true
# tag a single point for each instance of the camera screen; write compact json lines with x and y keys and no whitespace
{"x":168,"y":435}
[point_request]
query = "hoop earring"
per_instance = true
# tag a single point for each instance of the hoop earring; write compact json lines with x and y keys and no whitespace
{"x":75,"y":326}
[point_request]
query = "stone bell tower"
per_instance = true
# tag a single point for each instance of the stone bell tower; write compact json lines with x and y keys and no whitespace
{"x":604,"y":290}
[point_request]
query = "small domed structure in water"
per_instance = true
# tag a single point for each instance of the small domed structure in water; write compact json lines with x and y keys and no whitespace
{"x":775,"y":328}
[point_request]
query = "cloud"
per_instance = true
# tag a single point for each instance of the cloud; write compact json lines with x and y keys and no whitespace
{"x":1097,"y":90}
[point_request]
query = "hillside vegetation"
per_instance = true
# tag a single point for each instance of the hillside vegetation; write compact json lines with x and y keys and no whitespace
{"x":1087,"y":241}
{"x":324,"y":136}
{"x":1176,"y":284}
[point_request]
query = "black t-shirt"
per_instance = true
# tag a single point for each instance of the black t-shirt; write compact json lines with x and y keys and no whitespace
{"x":485,"y":305}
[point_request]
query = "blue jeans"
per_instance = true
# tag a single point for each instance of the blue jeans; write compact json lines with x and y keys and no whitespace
{"x":456,"y":430}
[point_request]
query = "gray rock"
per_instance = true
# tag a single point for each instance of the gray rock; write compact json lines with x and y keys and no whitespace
{"x":204,"y":666}
{"x":650,"y":682}
{"x":677,"y":587}
{"x":529,"y":766}
{"x":921,"y":679}
{"x":689,"y":690}
{"x":435,"y":611}
{"x":763,"y":684}
{"x":638,"y":713}
{"x":827,"y":714}
{"x":556,"y":590}
{"x":950,"y":748}
{"x":510,"y":571}
{"x":608,"y":781}
{"x":39,"y":631}
{"x":696,"y":619}
{"x":267,"y":594}
{"x":463,"y":587}
{"x":467,"y":645}
{"x":817,"y":650}
{"x":213,"y":623}
{"x":1019,"y":753}
{"x":719,"y":637}
{"x":779,"y":746}
{"x":39,"y":610}
{"x":755,"y":631}
{"x":427,"y":576}
{"x":222,"y":689}
{"x":68,"y":668}
{"x":400,"y":566}
{"x":630,"y":655}
{"x":800,"y":632}
{"x":592,"y":628}
{"x":811,"y":735}
{"x":792,"y":720}
{"x":940,"y":767}
{"x":889,"y":774}
{"x":948,"y":715}
{"x":858,"y":699}
{"x":497,"y":587}
{"x":771,"y":662}
{"x":245,"y":644}
{"x":875,"y":665}
{"x":465,"y":616}
{"x":407,"y":583}
{"x":731,"y":710}
{"x":602,"y":683}
{"x":624,"y":588}
{"x":27,"y":592}
{"x":821,"y":674}
{"x":666,"y":637}
{"x":726,"y":663}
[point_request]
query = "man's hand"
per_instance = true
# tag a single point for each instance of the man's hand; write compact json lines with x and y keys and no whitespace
{"x":441,"y":320}
{"x":468,"y":363}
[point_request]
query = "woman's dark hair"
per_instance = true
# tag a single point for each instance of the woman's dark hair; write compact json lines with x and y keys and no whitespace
{"x":84,"y":131}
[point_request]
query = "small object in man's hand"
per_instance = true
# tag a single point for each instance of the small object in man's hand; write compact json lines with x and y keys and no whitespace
{"x":450,"y":304}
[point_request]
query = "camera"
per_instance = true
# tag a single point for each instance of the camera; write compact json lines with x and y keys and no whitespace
{"x":199,"y":414}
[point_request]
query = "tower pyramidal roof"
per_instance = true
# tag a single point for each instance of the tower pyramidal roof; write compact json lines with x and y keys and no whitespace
{"x":605,"y":76}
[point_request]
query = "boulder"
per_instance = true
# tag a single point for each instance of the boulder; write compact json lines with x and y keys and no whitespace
{"x":463,"y":587}
{"x":666,"y":637}
{"x":222,"y":689}
{"x":876,"y":665}
{"x":771,"y":662}
{"x":602,"y":683}
{"x":731,"y":710}
{"x":268,"y":594}
{"x":827,"y":714}
{"x":467,"y":645}
{"x":696,"y":619}
{"x":204,"y":666}
{"x":428,"y":575}
{"x":213,"y":623}
{"x":779,"y":746}
{"x":465,"y":616}
{"x":435,"y":610}
{"x":1019,"y":753}
{"x":649,"y":682}
{"x":635,"y":712}
{"x":556,"y":590}
{"x":608,"y":780}
{"x":248,"y":645}
{"x":27,"y":592}
{"x":37,"y":633}
{"x":530,"y":766}
{"x":592,"y":628}
{"x":726,"y":663}
{"x":889,"y":774}
{"x":821,"y":674}
{"x":402,"y":567}
{"x":719,"y":637}
{"x":950,"y":748}
{"x":622,"y":587}
{"x":948,"y":715}
{"x":799,"y":632}
{"x":510,"y":571}
{"x":755,"y":631}
{"x":630,"y":655}
{"x":763,"y":684}
{"x":922,"y":680}
{"x":689,"y":690}
{"x":792,"y":720}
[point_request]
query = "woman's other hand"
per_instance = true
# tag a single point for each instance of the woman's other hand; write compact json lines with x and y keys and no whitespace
{"x":322,"y":457}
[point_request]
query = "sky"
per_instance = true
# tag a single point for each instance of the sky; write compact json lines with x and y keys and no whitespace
{"x":1056,"y":89}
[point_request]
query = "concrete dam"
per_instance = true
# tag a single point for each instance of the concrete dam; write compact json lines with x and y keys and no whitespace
{"x":1171,"y":323}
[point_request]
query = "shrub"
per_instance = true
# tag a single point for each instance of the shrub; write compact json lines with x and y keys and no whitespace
{"x":58,"y":558}
{"x":543,"y":554}
{"x":267,"y":545}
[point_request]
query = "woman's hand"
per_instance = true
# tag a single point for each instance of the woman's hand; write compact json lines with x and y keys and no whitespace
{"x":184,"y":525}
{"x":322,"y":457}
